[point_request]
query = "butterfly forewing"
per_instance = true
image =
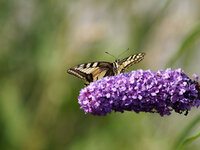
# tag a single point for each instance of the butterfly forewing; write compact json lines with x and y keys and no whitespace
{"x":133,"y":59}
{"x":92,"y":71}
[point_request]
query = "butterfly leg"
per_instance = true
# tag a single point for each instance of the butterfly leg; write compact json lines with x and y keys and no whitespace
{"x":125,"y":70}
{"x":86,"y":83}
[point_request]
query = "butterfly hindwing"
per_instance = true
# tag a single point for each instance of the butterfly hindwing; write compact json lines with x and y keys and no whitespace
{"x":92,"y":71}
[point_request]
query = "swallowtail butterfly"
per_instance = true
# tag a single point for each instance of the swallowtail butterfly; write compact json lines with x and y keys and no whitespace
{"x":96,"y":70}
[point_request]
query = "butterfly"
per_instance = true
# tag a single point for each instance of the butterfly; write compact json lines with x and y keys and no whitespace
{"x":94,"y":71}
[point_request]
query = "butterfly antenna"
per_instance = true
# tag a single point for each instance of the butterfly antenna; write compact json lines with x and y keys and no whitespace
{"x":123,"y":52}
{"x":110,"y":55}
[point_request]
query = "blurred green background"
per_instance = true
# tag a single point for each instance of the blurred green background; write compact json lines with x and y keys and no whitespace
{"x":39,"y":40}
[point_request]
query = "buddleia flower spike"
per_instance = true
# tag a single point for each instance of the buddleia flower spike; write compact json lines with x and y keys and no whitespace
{"x":142,"y":91}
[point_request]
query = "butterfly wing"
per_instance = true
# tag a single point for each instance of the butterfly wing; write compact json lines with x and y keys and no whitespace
{"x":92,"y":71}
{"x":129,"y":61}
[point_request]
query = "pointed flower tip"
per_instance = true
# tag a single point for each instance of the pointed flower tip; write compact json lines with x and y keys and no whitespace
{"x":142,"y":91}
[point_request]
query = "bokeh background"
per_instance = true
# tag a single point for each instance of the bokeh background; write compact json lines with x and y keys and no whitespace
{"x":39,"y":40}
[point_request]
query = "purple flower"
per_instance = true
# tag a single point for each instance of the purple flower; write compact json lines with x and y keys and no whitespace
{"x":142,"y":91}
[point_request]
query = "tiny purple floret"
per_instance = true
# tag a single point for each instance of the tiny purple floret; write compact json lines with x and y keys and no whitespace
{"x":141,"y":91}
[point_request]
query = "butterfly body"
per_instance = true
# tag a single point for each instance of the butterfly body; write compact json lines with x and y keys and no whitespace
{"x":96,"y":70}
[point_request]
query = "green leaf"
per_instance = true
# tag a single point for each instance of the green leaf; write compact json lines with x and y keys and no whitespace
{"x":185,"y":132}
{"x":189,"y":140}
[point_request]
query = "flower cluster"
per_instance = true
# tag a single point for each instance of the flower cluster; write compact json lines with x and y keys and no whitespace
{"x":141,"y":91}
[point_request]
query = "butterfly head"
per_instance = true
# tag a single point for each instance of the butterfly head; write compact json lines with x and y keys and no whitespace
{"x":117,"y":61}
{"x":117,"y":67}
